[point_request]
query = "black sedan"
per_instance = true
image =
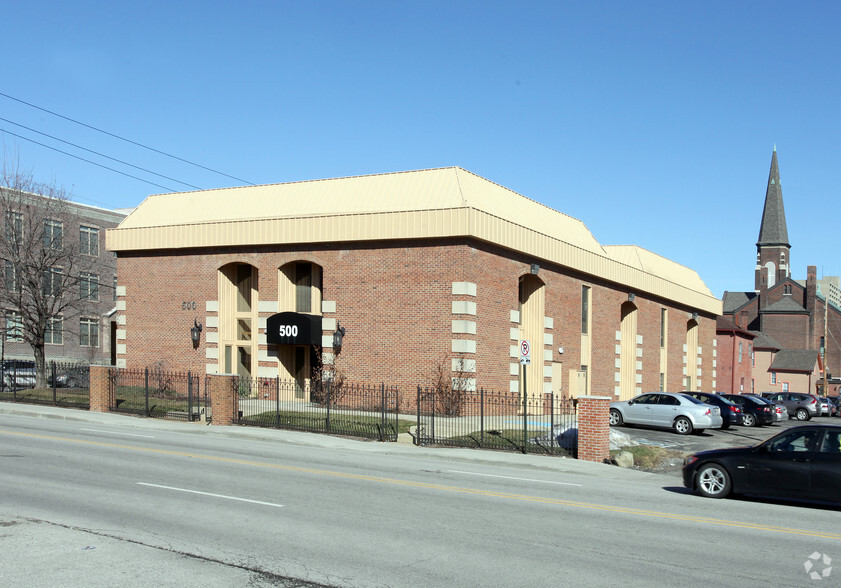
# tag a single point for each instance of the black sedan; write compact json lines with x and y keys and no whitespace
{"x":755,"y":412}
{"x":801,"y":462}
{"x":731,"y":414}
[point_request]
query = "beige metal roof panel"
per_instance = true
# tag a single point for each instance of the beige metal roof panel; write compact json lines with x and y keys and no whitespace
{"x":445,"y":202}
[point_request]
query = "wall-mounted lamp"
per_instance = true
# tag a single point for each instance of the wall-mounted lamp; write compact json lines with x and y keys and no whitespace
{"x":195,"y":333}
{"x":535,"y":268}
{"x":338,"y":335}
{"x":631,"y":297}
{"x":694,"y":316}
{"x":560,"y":349}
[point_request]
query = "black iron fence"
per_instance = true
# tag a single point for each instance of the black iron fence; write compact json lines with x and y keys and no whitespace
{"x":347,"y":409}
{"x":539,"y":423}
{"x":67,"y":384}
{"x":159,"y":394}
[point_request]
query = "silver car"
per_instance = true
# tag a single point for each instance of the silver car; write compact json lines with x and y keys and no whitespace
{"x":680,"y":412}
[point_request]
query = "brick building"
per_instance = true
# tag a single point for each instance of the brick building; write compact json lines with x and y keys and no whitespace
{"x":420,"y":271}
{"x":65,"y":242}
{"x":795,"y":314}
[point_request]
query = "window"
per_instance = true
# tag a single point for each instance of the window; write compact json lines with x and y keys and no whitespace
{"x":55,"y":331}
{"x":303,"y":283}
{"x":52,"y":234}
{"x":52,"y":281}
{"x":799,"y":441}
{"x":585,"y":310}
{"x":662,"y":328}
{"x":89,"y":240}
{"x":14,"y":326}
{"x":88,"y":332}
{"x":115,"y":288}
{"x":14,"y":227}
{"x":752,"y":356}
{"x":752,"y":386}
{"x":662,"y":382}
{"x":89,"y":286}
{"x":740,"y":352}
{"x":785,"y":386}
{"x":11,"y":277}
{"x":773,"y":377}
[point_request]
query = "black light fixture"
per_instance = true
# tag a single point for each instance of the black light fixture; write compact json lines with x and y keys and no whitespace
{"x":631,"y":297}
{"x":535,"y":268}
{"x":195,"y":333}
{"x":338,"y":335}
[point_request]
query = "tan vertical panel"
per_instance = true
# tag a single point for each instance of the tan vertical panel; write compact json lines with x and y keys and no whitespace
{"x":628,"y":352}
{"x":531,"y":326}
{"x":558,"y":378}
{"x":317,"y":287}
{"x":664,"y":351}
{"x":286,"y":289}
{"x":692,"y":354}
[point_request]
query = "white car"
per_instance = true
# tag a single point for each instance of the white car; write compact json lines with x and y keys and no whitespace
{"x":18,"y":374}
{"x":669,"y":410}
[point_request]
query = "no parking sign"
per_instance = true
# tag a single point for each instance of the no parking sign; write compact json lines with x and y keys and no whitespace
{"x":525,"y":352}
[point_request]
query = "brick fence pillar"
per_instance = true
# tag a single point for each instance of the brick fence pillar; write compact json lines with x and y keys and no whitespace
{"x":102,"y":397}
{"x":223,"y":398}
{"x":594,"y":428}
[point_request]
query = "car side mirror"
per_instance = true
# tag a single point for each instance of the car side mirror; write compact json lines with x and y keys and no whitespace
{"x":630,"y":402}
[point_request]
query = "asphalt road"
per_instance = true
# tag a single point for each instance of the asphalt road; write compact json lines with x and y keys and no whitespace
{"x":103,"y":500}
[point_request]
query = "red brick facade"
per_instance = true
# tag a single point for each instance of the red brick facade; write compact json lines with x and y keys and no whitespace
{"x":396,"y":301}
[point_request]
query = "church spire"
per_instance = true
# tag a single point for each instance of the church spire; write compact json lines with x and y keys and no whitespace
{"x":773,"y":229}
{"x":773,"y":261}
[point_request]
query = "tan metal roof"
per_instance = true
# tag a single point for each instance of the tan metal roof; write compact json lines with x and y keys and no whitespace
{"x":444,"y":202}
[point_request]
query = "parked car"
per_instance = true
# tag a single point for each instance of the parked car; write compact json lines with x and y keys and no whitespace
{"x":801,"y":406}
{"x":755,"y":412}
{"x":780,"y":410}
{"x":802,"y":462}
{"x":731,"y":414}
{"x":834,"y":400}
{"x":17,"y":373}
{"x":828,"y":408}
{"x":680,"y":412}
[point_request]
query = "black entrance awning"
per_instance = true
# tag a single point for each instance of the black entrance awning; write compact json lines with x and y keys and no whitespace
{"x":292,"y":328}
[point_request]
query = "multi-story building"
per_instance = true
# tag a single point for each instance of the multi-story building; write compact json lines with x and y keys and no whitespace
{"x":418,"y":270}
{"x":65,"y":242}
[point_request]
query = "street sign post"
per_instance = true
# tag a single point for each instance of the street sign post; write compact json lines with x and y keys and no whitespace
{"x":525,"y":352}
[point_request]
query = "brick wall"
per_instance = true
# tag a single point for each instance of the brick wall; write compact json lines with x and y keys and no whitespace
{"x":593,"y":428}
{"x":400,"y":308}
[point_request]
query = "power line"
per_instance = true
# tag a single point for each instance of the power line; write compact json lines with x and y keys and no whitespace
{"x":87,"y":160}
{"x":99,"y":154}
{"x":127,"y":140}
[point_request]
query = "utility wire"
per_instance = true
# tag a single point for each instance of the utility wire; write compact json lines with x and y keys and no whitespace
{"x":126,"y":140}
{"x":99,"y":154}
{"x":87,"y":160}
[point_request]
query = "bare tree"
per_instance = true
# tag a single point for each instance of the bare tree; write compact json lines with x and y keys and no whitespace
{"x":42,"y":267}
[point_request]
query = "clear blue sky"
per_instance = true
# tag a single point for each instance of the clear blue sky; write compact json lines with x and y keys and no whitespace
{"x":652,"y":122}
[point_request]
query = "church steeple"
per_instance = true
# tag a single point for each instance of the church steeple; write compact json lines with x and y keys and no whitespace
{"x":772,"y":249}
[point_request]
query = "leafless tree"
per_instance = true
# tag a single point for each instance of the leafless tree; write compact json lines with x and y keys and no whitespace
{"x":41,"y":266}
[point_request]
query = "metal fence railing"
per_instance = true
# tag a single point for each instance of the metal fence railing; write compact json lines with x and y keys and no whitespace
{"x":159,"y":394}
{"x":67,"y":384}
{"x":540,"y":423}
{"x":349,"y":409}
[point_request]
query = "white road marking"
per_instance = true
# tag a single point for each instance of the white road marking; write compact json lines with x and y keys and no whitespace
{"x":513,"y":478}
{"x":210,"y":494}
{"x":119,"y":433}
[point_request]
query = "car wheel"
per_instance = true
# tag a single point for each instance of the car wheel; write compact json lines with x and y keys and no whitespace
{"x":683,"y":426}
{"x":749,"y":420}
{"x":802,"y":414}
{"x":713,"y":481}
{"x":615,"y":417}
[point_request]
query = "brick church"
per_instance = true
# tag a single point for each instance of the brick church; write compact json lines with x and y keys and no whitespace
{"x":787,"y":321}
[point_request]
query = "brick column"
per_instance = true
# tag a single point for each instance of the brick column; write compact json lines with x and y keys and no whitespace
{"x":223,"y":399}
{"x":594,"y":428}
{"x":102,"y":397}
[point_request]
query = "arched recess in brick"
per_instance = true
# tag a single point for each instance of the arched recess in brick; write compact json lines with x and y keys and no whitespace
{"x":238,"y":303}
{"x":691,"y":379}
{"x":532,"y":308}
{"x":299,"y":290}
{"x":628,"y":351}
